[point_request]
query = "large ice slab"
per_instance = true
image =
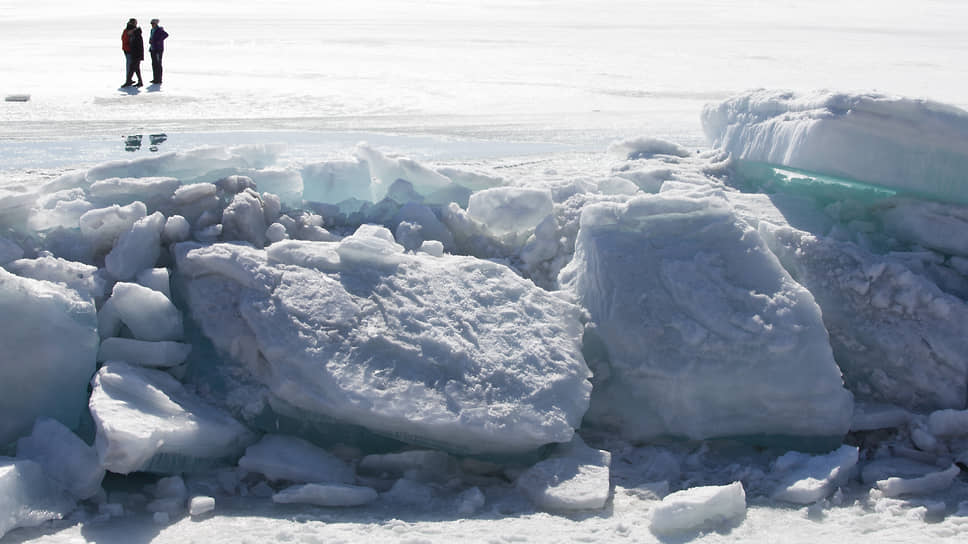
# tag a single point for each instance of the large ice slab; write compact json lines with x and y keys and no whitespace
{"x":50,"y":341}
{"x":914,"y":146}
{"x":805,"y":479}
{"x":452,"y":352}
{"x":281,"y":457}
{"x":147,"y":420}
{"x":702,"y":333}
{"x":897,"y":337}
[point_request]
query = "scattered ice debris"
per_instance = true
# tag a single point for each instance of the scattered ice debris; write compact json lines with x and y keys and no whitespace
{"x":281,"y":457}
{"x":326,"y":495}
{"x":806,"y":479}
{"x":575,"y":477}
{"x":699,"y":508}
{"x":147,"y":420}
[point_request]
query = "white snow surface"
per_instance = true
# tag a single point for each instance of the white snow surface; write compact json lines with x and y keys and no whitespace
{"x":344,"y":226}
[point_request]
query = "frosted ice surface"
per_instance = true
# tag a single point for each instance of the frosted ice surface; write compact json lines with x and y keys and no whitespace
{"x":164,"y":354}
{"x":510,"y":209}
{"x":643,"y":147}
{"x":928,"y":224}
{"x":881,"y":316}
{"x":574,"y":477}
{"x":136,"y":249}
{"x":805,"y":479}
{"x":917,"y":146}
{"x":158,"y":279}
{"x":422,"y":465}
{"x":386,"y":170}
{"x":141,"y":414}
{"x":191,"y":164}
{"x":149,"y":314}
{"x":925,"y":485}
{"x":702,"y":332}
{"x":326,"y":495}
{"x":452,"y":352}
{"x":50,"y":344}
{"x":127,"y":190}
{"x":65,"y":458}
{"x":27,"y":497}
{"x":698,"y":508}
{"x":281,"y":457}
{"x":9,"y":251}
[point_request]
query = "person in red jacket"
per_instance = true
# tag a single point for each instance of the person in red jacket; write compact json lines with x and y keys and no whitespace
{"x":133,"y":46}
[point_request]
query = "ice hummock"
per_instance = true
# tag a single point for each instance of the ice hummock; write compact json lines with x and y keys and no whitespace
{"x":452,"y":352}
{"x":914,"y":146}
{"x":702,"y":333}
{"x":28,"y":497}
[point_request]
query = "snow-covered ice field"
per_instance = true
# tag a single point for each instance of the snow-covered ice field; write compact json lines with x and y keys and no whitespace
{"x":532,"y":271}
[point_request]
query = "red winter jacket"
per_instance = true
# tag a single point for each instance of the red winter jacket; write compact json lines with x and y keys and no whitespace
{"x":124,"y":41}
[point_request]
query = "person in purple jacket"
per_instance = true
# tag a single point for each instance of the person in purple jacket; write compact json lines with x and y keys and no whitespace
{"x":156,"y":46}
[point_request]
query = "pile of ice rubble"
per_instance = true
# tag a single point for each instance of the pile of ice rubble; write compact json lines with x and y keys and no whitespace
{"x":377,"y":330}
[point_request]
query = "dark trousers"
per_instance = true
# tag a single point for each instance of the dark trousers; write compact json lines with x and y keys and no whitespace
{"x":134,"y":68}
{"x":156,"y":66}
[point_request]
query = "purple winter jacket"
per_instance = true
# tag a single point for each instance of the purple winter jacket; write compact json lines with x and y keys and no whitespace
{"x":156,"y":40}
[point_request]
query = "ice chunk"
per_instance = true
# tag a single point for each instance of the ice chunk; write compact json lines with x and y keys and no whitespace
{"x":9,"y":251}
{"x":470,"y":501}
{"x":127,"y":190}
{"x":644,"y":147}
{"x":806,"y":479}
{"x":335,"y":181}
{"x":915,"y":146}
{"x":948,"y":423}
{"x":455,"y":353}
{"x":928,"y":224}
{"x":177,"y":229}
{"x":510,"y":209}
{"x":895,"y":467}
{"x":386,"y":170}
{"x":65,"y":458}
{"x":281,"y":457}
{"x":137,"y":249}
{"x":193,"y":163}
{"x":703,"y":332}
{"x":79,"y":276}
{"x":421,"y":225}
{"x":188,"y":194}
{"x":326,"y":495}
{"x":420,"y":465}
{"x":158,"y":279}
{"x":147,"y":313}
{"x":871,"y":416}
{"x":163,"y":354}
{"x":244,"y":219}
{"x":27,"y":497}
{"x":201,"y":505}
{"x":142,"y":415}
{"x":881,"y":316}
{"x":101,"y":227}
{"x":170,"y":495}
{"x":698,"y":508}
{"x":925,"y":485}
{"x":49,"y":338}
{"x":575,"y":477}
